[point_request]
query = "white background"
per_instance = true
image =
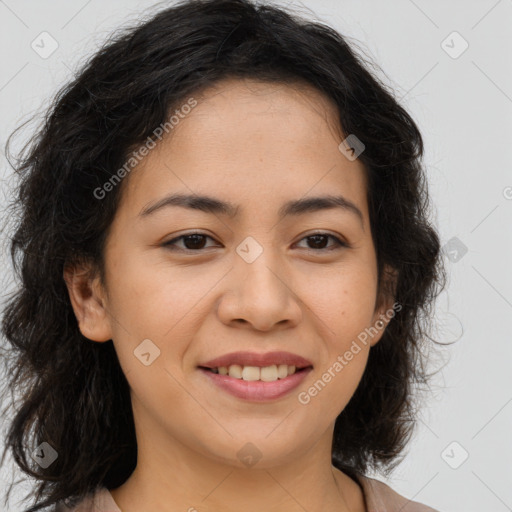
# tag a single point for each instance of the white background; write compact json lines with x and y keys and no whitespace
{"x":463,"y":107}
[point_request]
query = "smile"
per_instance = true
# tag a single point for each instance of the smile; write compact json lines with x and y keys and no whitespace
{"x":252,"y":388}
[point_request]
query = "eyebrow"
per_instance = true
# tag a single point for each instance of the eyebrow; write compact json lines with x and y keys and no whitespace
{"x":215,"y":206}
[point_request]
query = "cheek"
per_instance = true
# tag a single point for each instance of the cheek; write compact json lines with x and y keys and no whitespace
{"x":154,"y":302}
{"x":151,"y":296}
{"x":336,"y":379}
{"x":341,"y":370}
{"x":349,"y":308}
{"x":344,"y":301}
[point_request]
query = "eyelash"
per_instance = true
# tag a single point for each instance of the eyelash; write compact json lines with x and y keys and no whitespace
{"x":171,"y":244}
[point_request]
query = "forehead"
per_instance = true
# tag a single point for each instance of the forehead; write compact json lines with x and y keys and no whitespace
{"x":247,"y":138}
{"x":236,"y":109}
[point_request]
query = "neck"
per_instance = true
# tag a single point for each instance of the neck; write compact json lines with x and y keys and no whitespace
{"x":173,"y":476}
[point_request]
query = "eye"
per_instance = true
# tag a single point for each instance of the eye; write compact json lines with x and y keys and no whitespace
{"x":192,"y":242}
{"x":318,"y":240}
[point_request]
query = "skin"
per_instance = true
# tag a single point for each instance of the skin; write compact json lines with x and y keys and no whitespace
{"x":256,"y":145}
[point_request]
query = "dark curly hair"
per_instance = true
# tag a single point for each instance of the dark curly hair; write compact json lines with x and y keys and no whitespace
{"x":73,"y":393}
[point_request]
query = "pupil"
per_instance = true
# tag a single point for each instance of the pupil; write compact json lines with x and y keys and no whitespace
{"x":196,"y":240}
{"x":316,"y":237}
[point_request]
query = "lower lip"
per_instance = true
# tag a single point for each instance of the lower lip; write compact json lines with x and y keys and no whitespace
{"x":257,"y":390}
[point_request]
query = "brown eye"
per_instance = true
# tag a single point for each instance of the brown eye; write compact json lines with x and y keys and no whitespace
{"x":319,"y":242}
{"x":191,"y":242}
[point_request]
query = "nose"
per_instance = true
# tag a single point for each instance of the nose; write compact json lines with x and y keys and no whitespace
{"x":259,"y":295}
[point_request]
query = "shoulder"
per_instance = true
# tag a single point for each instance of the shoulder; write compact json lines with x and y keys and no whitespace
{"x":382,"y":498}
{"x":99,"y":501}
{"x":379,"y":497}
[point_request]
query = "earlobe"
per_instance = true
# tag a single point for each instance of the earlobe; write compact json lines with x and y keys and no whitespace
{"x":88,"y":301}
{"x":381,"y":319}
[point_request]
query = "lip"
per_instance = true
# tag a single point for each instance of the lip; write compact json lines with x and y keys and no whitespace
{"x":257,"y":391}
{"x":245,"y":358}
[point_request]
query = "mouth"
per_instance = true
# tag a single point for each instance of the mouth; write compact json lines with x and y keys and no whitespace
{"x":250,"y":373}
{"x":257,"y":377}
{"x":251,"y":366}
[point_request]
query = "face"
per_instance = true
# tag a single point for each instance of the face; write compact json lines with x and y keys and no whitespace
{"x":260,"y":268}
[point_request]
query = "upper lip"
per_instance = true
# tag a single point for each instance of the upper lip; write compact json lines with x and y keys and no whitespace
{"x":257,"y":359}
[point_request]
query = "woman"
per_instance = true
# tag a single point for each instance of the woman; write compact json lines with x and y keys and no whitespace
{"x":226,"y":262}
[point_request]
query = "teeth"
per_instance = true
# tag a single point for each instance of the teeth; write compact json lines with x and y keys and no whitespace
{"x":282,"y":371}
{"x":250,"y":373}
{"x":269,"y":373}
{"x":235,"y":371}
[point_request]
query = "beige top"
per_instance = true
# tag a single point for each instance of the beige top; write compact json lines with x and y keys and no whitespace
{"x":378,"y":496}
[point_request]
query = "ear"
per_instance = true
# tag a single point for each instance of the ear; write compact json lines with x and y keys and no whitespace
{"x":386,"y":307}
{"x":88,"y":299}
